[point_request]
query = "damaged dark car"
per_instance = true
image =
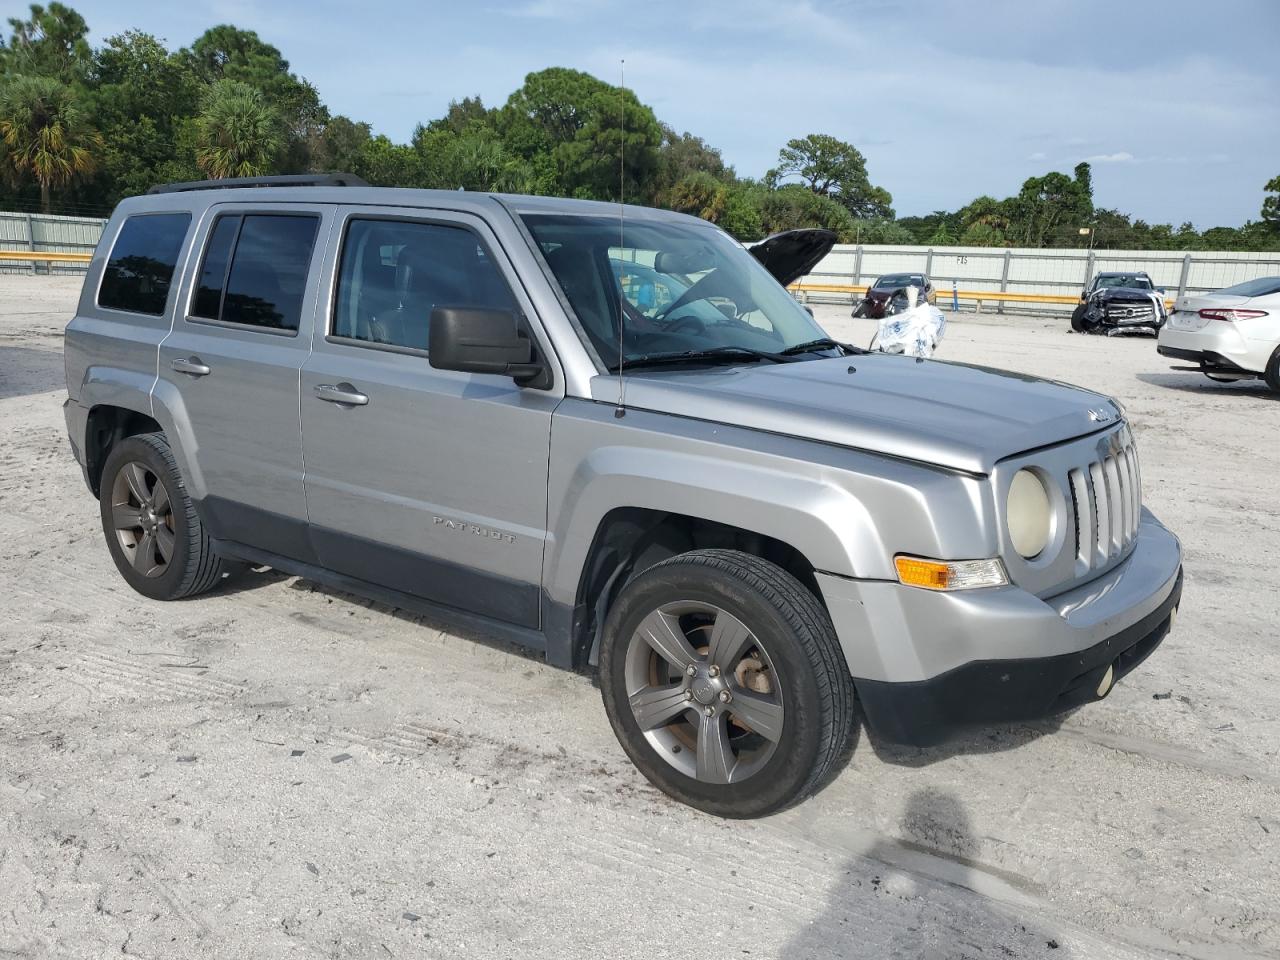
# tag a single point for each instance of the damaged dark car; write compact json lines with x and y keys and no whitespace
{"x":887,"y":295}
{"x":1120,"y":303}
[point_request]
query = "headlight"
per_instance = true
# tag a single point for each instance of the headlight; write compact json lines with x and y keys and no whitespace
{"x":1028,"y":514}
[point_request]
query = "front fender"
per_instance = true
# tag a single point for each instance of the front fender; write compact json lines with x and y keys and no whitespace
{"x":846,"y":512}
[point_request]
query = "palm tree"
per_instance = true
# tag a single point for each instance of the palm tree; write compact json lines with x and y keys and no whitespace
{"x":45,"y":133}
{"x":238,"y":133}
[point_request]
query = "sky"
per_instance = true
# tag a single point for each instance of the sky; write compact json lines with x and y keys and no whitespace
{"x":1176,"y":103}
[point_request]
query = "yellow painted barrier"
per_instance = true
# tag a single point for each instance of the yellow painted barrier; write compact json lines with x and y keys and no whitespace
{"x":943,"y":296}
{"x":49,"y":256}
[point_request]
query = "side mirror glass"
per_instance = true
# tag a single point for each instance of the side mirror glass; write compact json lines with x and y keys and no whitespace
{"x":474,"y":340}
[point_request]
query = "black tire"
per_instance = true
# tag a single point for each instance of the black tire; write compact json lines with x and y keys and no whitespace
{"x":1077,"y":319}
{"x":1271,"y":374}
{"x":815,"y":690}
{"x":860,"y":310}
{"x":192,"y":566}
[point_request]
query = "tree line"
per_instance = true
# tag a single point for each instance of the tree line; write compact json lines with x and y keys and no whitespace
{"x":81,"y":128}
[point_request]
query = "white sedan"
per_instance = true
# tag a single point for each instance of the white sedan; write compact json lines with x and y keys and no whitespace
{"x":1232,"y":334}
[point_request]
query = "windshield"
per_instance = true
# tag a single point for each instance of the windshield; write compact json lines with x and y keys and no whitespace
{"x":672,"y":288}
{"x":1124,"y":280}
{"x":900,"y":280}
{"x":1263,"y":286}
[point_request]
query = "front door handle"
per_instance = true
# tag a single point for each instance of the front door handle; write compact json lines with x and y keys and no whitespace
{"x":191,"y":365}
{"x":343,"y":393}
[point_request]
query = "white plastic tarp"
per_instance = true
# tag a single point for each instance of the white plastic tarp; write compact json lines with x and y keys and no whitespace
{"x":915,"y":331}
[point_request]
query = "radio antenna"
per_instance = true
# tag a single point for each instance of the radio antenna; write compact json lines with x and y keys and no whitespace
{"x":621,"y":410}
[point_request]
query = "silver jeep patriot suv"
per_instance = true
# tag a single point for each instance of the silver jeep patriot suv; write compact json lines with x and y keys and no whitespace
{"x":609,"y":434}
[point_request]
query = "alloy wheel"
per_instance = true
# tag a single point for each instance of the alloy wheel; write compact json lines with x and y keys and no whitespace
{"x":142,"y":517}
{"x":704,"y":692}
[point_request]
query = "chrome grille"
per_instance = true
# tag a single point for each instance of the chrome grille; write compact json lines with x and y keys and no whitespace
{"x":1106,"y":496}
{"x":1131,"y":312}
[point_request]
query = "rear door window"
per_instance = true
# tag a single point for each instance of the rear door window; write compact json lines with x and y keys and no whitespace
{"x":255,"y":270}
{"x":140,"y":270}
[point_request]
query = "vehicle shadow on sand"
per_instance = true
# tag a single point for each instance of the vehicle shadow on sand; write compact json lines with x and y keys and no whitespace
{"x":1193,"y":382}
{"x":263,"y":577}
{"x":927,"y":901}
{"x":974,"y":743}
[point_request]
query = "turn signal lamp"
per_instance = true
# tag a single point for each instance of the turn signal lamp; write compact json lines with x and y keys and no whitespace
{"x":949,"y":574}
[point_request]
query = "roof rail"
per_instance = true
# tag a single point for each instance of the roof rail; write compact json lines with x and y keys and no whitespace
{"x":294,"y":180}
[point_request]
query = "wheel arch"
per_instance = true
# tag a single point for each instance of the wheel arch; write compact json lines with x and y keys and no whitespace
{"x":105,"y":426}
{"x":629,"y":540}
{"x":172,"y":415}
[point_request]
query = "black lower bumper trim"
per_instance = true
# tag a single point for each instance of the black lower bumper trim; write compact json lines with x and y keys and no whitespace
{"x":986,"y":692}
{"x":1206,"y":358}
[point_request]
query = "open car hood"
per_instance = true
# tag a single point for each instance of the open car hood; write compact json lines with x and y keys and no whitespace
{"x":793,"y":253}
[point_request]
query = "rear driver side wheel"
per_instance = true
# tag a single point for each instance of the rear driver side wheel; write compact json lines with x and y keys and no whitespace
{"x":155,"y":538}
{"x":725,"y":684}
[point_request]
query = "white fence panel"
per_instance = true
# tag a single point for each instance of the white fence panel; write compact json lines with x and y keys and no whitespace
{"x":47,"y":233}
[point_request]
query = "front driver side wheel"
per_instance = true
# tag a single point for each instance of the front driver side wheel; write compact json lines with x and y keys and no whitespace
{"x":725,"y":684}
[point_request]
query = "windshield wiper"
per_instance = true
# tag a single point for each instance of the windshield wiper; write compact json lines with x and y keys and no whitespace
{"x":721,"y":354}
{"x":822,"y":343}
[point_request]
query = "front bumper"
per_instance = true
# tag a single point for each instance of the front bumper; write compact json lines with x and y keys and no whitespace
{"x":927,"y":665}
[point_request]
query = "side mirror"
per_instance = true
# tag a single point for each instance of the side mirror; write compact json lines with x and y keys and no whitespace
{"x":484,"y":341}
{"x":1084,"y":296}
{"x":1160,"y":290}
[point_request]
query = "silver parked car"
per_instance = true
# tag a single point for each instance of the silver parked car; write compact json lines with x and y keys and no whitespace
{"x":618,"y":441}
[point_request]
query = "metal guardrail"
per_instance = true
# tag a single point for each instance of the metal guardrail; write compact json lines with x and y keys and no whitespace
{"x":1045,"y":280}
{"x":37,"y":233}
{"x":943,"y":296}
{"x":45,"y":256}
{"x":976,"y":296}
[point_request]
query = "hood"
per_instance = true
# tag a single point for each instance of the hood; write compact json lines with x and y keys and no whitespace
{"x":953,"y":415}
{"x":793,"y":253}
{"x":1124,"y":293}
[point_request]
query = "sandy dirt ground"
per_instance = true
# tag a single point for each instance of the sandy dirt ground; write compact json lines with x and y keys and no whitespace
{"x":280,"y":770}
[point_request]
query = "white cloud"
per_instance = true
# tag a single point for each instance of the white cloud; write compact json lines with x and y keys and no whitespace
{"x":1122,"y":157}
{"x":1038,"y":155}
{"x":570,"y":10}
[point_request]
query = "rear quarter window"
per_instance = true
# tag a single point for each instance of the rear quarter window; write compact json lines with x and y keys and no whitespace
{"x":140,"y":270}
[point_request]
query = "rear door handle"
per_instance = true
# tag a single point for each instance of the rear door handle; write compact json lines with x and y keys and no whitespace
{"x":191,"y":365}
{"x":343,"y":393}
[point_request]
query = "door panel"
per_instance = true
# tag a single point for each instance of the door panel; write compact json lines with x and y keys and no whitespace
{"x":437,"y":485}
{"x":238,"y":382}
